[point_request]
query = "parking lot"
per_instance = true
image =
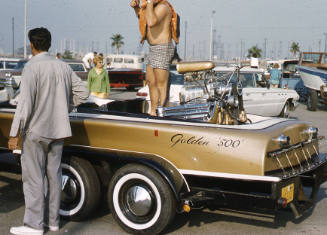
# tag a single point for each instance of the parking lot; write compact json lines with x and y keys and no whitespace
{"x":197,"y":221}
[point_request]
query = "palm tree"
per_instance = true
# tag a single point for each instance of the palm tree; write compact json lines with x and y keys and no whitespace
{"x":295,"y":48}
{"x":117,"y":41}
{"x":254,"y":52}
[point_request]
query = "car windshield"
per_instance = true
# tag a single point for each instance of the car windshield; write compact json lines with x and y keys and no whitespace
{"x":77,"y":67}
{"x":20,"y":65}
{"x":245,"y":78}
{"x":11,"y":64}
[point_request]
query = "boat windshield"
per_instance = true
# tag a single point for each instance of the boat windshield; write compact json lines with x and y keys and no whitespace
{"x":311,"y":57}
{"x":324,"y":59}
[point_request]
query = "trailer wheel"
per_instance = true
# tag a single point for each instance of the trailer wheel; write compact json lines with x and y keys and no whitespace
{"x":140,"y":200}
{"x":312,"y":101}
{"x":286,"y":110}
{"x":80,"y":188}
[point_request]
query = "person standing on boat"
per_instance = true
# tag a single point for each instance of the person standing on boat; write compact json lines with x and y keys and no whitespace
{"x":275,"y":76}
{"x":157,"y":21}
{"x":98,"y":79}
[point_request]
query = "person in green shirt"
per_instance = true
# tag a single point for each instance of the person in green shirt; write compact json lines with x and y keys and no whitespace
{"x":98,"y":79}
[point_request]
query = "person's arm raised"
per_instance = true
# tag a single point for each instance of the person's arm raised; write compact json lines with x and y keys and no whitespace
{"x":135,"y":5}
{"x":154,"y":15}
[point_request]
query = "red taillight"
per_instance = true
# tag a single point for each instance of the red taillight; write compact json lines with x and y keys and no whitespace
{"x":142,"y":94}
{"x":282,"y":202}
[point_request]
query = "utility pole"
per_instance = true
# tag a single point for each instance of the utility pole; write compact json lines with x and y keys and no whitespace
{"x":13,"y":37}
{"x":185,"y":40}
{"x":265,"y":45}
{"x":319,"y":43}
{"x":106,"y":48}
{"x":211,"y":35}
{"x":241,"y":55}
{"x":25,"y":31}
{"x":325,"y":42}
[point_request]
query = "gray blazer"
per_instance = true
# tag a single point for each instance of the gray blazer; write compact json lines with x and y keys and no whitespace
{"x":48,"y":88}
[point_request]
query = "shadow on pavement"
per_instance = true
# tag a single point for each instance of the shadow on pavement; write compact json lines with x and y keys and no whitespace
{"x":11,"y":193}
{"x":197,"y":218}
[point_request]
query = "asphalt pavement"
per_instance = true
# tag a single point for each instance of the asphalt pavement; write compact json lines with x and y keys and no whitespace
{"x":195,"y":222}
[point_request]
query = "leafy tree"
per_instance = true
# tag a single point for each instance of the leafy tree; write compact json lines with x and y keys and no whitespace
{"x":254,"y":52}
{"x":295,"y":48}
{"x":117,"y":41}
{"x":67,"y":54}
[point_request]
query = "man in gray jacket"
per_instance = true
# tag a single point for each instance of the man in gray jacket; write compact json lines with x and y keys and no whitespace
{"x":48,"y":88}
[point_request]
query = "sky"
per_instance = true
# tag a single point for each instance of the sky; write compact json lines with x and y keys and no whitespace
{"x":83,"y":26}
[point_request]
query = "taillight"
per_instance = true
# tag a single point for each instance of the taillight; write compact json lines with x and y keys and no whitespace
{"x":282,"y":202}
{"x":142,"y":94}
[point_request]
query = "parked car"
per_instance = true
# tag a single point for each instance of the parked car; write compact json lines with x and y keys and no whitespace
{"x":8,"y":63}
{"x":259,"y":98}
{"x":128,"y":78}
{"x":10,"y":78}
{"x":291,"y":78}
{"x":78,"y":67}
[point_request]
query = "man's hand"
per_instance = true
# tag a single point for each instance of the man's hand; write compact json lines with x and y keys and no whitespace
{"x":135,"y":3}
{"x":13,"y":143}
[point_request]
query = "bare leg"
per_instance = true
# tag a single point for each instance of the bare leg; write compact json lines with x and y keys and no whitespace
{"x":161,"y":76}
{"x":154,"y":92}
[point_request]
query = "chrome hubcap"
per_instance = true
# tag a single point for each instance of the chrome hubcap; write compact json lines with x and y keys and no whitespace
{"x":69,"y":189}
{"x":139,"y":200}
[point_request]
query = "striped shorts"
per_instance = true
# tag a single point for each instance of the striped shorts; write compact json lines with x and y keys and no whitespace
{"x":160,"y":56}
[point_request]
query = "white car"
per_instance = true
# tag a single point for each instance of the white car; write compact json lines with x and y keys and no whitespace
{"x":258,"y":97}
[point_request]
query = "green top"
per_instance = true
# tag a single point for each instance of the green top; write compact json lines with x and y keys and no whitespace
{"x":98,"y":82}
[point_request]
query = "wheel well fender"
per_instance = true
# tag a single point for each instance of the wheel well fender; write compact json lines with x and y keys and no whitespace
{"x":165,"y":168}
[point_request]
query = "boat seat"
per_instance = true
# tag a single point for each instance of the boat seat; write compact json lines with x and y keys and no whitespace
{"x":196,"y":66}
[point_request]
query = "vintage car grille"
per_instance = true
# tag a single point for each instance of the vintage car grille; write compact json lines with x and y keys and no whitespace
{"x":296,"y":159}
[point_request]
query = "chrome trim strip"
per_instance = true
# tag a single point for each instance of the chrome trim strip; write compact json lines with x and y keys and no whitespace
{"x":259,"y":123}
{"x":230,"y":175}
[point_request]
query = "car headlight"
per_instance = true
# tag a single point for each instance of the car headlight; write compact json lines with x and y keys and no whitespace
{"x":282,"y":140}
{"x":312,"y":133}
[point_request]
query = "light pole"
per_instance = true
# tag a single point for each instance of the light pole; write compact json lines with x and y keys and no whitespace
{"x":13,"y":37}
{"x":185,"y":40}
{"x":211,"y":35}
{"x":325,"y":42}
{"x":25,"y":31}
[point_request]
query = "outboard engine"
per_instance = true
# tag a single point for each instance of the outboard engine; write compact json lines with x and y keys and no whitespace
{"x":208,"y":97}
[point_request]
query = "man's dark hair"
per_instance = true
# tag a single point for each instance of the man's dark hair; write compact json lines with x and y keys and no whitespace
{"x":40,"y":38}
